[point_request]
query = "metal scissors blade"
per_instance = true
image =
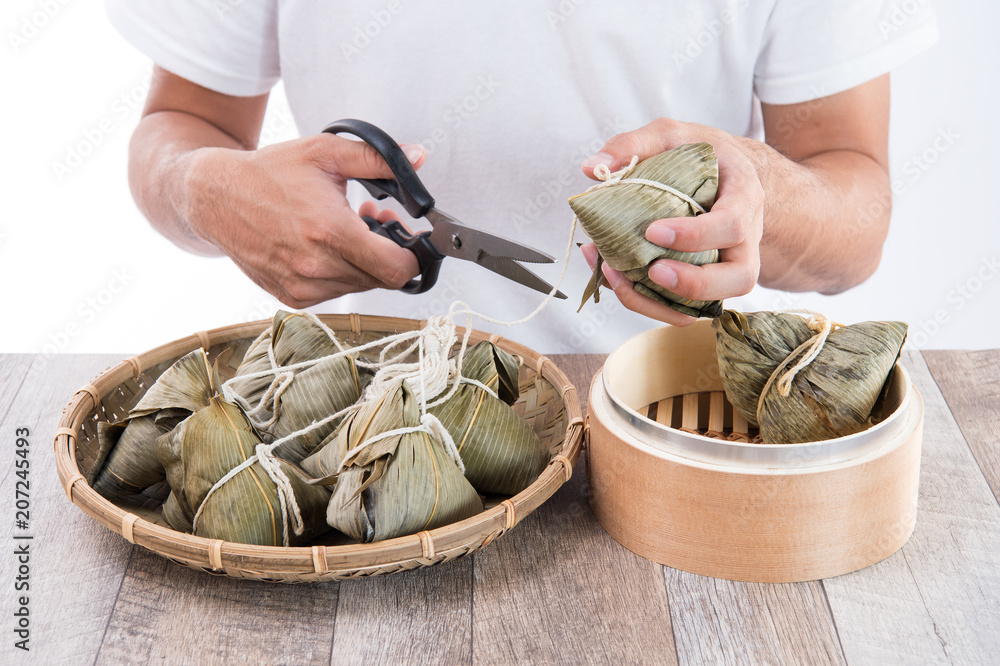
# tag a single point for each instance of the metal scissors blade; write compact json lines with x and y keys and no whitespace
{"x":512,"y":270}
{"x":454,"y":239}
{"x":498,"y":254}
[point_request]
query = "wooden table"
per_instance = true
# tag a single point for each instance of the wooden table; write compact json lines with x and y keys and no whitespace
{"x":557,"y":589}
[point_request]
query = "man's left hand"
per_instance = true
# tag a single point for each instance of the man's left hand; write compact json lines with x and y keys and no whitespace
{"x":733,"y":226}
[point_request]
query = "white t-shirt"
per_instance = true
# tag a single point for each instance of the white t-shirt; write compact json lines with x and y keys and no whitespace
{"x":510,"y":97}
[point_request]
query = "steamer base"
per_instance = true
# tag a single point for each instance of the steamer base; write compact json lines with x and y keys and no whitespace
{"x":749,"y":512}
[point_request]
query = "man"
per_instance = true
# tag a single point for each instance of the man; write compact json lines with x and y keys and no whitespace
{"x":500,"y":103}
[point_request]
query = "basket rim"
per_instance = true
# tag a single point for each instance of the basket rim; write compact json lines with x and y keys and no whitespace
{"x":312,"y":563}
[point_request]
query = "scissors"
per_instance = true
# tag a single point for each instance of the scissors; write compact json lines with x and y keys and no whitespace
{"x":449,"y":237}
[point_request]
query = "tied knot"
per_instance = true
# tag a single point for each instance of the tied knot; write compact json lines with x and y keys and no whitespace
{"x":611,"y":178}
{"x":608,"y":177}
{"x":822,"y":326}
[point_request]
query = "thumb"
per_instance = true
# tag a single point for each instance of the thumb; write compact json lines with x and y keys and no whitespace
{"x":653,"y":139}
{"x":344,"y":158}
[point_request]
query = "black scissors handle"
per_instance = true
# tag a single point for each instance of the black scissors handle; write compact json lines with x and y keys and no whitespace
{"x":428,"y":258}
{"x":405,"y":188}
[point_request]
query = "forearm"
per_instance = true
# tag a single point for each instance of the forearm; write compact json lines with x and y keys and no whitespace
{"x":825,"y":219}
{"x":161,"y":156}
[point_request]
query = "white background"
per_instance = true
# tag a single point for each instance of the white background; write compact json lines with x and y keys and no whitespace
{"x":81,"y":271}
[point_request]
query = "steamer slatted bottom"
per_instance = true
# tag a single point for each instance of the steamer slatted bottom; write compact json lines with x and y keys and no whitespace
{"x":708,"y":413}
{"x":720,"y":505}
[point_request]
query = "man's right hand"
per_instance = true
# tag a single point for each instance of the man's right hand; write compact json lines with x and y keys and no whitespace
{"x":279,"y":212}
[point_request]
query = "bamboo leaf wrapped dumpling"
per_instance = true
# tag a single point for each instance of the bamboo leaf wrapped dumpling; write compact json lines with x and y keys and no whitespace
{"x":314,"y":394}
{"x":749,"y":348}
{"x":293,"y":337}
{"x":832,"y":396}
{"x":306,"y":396}
{"x":501,"y":452}
{"x":800,"y":377}
{"x":394,"y":486}
{"x":616,"y":217}
{"x":127,"y":462}
{"x":245,"y":508}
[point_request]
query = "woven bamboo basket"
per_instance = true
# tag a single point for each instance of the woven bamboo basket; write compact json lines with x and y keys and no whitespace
{"x":676,"y":477}
{"x":548,"y":402}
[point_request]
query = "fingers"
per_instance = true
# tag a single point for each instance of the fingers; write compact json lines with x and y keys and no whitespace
{"x":660,"y":135}
{"x":711,"y":282}
{"x":724,"y":226}
{"x":376,"y":256}
{"x":636,"y":302}
{"x":734,"y":276}
{"x":589,"y":253}
{"x":343,"y":158}
{"x":736,"y":218}
{"x":371,"y":209}
{"x":632,"y":299}
{"x":297,"y":288}
{"x":357,"y":260}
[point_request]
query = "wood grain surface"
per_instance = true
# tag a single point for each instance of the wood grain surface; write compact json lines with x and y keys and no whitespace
{"x":970,"y":384}
{"x":556,"y":589}
{"x":418,"y":617}
{"x":76,"y":566}
{"x":785,"y":623}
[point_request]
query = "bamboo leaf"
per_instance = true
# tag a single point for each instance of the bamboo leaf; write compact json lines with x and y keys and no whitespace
{"x":616,"y":218}
{"x":749,"y":348}
{"x":401,"y":485}
{"x":295,"y":338}
{"x":127,"y":463}
{"x":493,"y":367}
{"x":187,"y":384}
{"x":501,"y":453}
{"x":835,"y":394}
{"x":314,"y":394}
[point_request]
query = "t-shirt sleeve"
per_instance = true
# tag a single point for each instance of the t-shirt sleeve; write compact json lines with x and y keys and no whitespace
{"x":815,"y":48}
{"x":229,"y":46}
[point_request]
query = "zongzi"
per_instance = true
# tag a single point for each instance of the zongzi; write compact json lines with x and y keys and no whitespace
{"x":400,"y":484}
{"x":127,"y":462}
{"x":801,"y":378}
{"x":245,"y":508}
{"x":834,"y":394}
{"x":302,"y":398}
{"x":294,"y":337}
{"x":501,"y":452}
{"x":677,"y":183}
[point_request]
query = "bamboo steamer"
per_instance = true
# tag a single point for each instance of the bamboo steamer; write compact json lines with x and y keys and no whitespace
{"x":733,"y":509}
{"x":548,"y":402}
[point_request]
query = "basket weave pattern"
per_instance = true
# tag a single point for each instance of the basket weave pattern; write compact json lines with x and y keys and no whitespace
{"x":548,"y":402}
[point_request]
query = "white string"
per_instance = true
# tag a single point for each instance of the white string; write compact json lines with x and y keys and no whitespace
{"x":823,"y":326}
{"x":611,"y":178}
{"x":429,"y":424}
